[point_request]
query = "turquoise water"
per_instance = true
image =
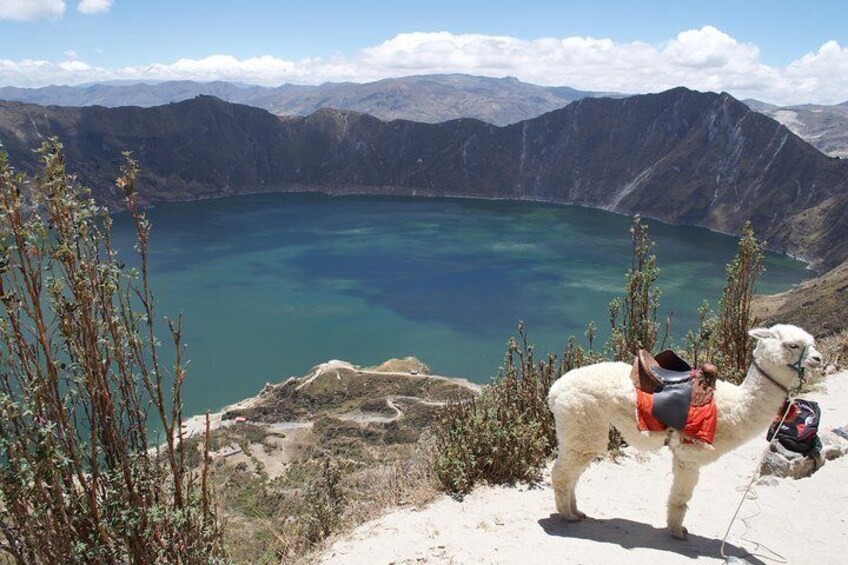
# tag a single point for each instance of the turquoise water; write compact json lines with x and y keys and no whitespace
{"x":271,"y":285}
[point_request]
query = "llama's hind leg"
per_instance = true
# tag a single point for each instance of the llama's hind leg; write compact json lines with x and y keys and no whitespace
{"x":685,"y":478}
{"x":571,"y":462}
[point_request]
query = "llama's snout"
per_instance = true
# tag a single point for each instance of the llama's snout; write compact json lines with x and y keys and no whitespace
{"x":813,"y":360}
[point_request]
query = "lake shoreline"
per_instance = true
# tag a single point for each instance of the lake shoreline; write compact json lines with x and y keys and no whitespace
{"x":811,"y":262}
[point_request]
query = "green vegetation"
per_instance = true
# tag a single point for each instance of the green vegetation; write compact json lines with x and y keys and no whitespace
{"x":360,"y":446}
{"x":722,"y":337}
{"x":326,"y":478}
{"x":732,"y":344}
{"x":81,"y":384}
{"x":506,"y":434}
{"x":633,"y":317}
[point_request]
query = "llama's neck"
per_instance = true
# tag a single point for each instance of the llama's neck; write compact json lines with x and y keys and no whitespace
{"x":757,"y":403}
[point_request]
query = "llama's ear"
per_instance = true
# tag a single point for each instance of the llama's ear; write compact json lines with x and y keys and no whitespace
{"x":761,"y":333}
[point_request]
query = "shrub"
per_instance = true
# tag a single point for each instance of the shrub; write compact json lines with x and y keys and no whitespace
{"x":79,"y":481}
{"x":323,"y":503}
{"x":731,"y":342}
{"x":633,"y":317}
{"x":835,"y":350}
{"x":699,"y":343}
{"x":722,"y":337}
{"x":507,"y":433}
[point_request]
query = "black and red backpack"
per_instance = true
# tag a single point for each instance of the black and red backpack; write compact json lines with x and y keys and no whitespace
{"x":799,"y":432}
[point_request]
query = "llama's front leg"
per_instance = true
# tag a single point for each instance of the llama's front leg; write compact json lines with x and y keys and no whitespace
{"x":564,"y":476}
{"x":685,"y":479}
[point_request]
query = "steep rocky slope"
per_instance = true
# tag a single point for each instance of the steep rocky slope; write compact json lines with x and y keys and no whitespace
{"x":679,"y":156}
{"x":820,"y":304}
{"x":824,"y":126}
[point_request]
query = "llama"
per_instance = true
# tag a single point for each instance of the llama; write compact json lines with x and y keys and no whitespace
{"x":586,"y":401}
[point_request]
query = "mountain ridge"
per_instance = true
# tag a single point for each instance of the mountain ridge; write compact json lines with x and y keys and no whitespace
{"x":430,"y":98}
{"x":427,"y":98}
{"x":679,"y":156}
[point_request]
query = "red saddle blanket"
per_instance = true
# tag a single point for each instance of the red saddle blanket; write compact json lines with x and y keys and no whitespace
{"x":700,"y":421}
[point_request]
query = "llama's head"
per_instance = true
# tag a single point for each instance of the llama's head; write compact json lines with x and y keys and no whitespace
{"x":780,"y":348}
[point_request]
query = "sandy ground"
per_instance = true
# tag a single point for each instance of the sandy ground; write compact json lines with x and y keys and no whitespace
{"x":798,"y":522}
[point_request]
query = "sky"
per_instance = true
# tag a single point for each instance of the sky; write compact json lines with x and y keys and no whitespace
{"x":779,"y":51}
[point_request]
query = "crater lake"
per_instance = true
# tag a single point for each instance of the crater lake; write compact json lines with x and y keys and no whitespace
{"x":271,"y":285}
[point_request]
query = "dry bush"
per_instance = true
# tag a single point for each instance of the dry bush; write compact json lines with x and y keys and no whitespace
{"x":733,"y":346}
{"x":342,"y":497}
{"x":324,"y":493}
{"x":81,"y":385}
{"x":722,"y":337}
{"x":507,"y":433}
{"x":834,"y":348}
{"x":406,"y":479}
{"x":633,"y":317}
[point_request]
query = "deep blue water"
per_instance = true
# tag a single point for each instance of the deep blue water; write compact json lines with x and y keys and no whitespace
{"x":271,"y":285}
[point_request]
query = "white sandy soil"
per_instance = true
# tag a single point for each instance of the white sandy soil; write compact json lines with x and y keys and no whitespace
{"x":798,"y":522}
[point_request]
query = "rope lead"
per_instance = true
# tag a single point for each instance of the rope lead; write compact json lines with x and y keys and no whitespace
{"x":799,"y":368}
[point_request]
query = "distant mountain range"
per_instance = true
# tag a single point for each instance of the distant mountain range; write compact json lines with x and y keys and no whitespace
{"x":679,"y":156}
{"x":426,"y":98}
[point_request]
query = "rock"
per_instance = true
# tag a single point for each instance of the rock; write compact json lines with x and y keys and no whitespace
{"x":768,"y":481}
{"x":834,"y":445}
{"x":783,"y":463}
{"x":830,"y":452}
{"x":774,"y":464}
{"x":776,"y":447}
{"x":780,"y":462}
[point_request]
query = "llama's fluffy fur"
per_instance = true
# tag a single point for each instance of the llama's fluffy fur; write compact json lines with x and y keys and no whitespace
{"x":586,"y":401}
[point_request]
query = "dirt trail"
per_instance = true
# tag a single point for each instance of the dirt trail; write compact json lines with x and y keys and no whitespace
{"x":361,"y":417}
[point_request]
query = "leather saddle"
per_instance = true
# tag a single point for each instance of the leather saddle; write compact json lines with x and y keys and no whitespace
{"x":651,"y":374}
{"x":674,"y":386}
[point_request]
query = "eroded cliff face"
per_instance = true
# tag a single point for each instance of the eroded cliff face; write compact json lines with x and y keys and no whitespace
{"x":820,"y":304}
{"x":823,"y":126}
{"x":678,"y":156}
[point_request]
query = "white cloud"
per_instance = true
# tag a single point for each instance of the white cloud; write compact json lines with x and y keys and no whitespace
{"x":703,"y":59}
{"x":708,"y":48}
{"x":74,"y":66}
{"x":31,"y":10}
{"x":94,"y":6}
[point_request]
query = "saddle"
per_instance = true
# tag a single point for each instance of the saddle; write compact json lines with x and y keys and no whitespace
{"x":670,"y":394}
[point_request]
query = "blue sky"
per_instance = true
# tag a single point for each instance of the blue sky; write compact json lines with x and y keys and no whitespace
{"x":749,"y":47}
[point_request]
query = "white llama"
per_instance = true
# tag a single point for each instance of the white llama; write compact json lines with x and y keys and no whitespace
{"x":586,"y":401}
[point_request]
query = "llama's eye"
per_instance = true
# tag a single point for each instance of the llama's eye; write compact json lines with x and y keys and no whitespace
{"x":792,"y":345}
